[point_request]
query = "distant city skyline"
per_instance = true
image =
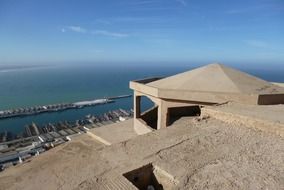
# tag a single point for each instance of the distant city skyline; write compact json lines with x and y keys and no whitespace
{"x":170,"y":31}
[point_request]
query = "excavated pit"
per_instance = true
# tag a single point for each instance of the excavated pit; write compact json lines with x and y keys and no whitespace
{"x":150,"y":177}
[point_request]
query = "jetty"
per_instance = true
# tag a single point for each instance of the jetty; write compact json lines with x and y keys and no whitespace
{"x":119,"y":97}
{"x":21,"y":112}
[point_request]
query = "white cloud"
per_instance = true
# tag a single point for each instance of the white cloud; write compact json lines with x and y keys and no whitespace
{"x":256,"y":43}
{"x":111,"y":34}
{"x":182,"y":2}
{"x":77,"y":29}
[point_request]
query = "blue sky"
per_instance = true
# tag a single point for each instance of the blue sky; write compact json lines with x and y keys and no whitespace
{"x":42,"y":31}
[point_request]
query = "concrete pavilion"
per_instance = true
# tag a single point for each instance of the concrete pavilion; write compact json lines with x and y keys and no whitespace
{"x":184,"y":93}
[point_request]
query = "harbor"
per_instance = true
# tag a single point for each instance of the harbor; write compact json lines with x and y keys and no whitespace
{"x":21,"y":112}
{"x":37,"y":139}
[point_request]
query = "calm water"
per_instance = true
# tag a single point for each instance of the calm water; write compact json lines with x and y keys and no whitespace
{"x":57,"y":84}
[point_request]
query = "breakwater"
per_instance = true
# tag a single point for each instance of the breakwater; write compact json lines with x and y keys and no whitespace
{"x":21,"y":112}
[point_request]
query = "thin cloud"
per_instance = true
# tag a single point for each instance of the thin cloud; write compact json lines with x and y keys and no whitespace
{"x":110,"y":34}
{"x":276,"y":7}
{"x":96,"y":51}
{"x":256,"y":43}
{"x":77,"y":29}
{"x":146,"y":2}
{"x":153,"y":5}
{"x":241,"y":11}
{"x":103,"y":21}
{"x":138,"y":20}
{"x":236,"y":11}
{"x":182,"y":2}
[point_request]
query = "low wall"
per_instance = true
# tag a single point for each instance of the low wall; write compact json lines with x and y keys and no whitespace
{"x":263,"y":125}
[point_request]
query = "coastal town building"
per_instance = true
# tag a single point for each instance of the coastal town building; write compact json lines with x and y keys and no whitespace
{"x":183,"y":94}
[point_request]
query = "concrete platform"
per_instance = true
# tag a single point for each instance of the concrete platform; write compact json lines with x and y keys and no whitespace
{"x":265,"y":118}
{"x":114,"y":133}
{"x":279,"y":84}
{"x":205,"y":154}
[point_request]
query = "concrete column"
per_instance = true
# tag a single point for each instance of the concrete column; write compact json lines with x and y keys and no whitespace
{"x":162,"y":116}
{"x":137,"y":106}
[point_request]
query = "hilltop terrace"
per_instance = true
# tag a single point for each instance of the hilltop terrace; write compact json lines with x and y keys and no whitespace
{"x":227,"y":143}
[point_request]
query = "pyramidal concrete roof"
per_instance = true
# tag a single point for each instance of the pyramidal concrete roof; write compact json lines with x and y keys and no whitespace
{"x":211,"y":84}
{"x":217,"y":78}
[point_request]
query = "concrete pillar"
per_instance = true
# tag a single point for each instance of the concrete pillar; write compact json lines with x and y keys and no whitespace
{"x":162,"y":116}
{"x":137,"y":106}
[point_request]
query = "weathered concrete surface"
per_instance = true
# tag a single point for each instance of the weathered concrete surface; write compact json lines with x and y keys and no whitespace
{"x":217,"y":78}
{"x":266,"y":118}
{"x":61,"y":167}
{"x":200,"y":153}
{"x":214,"y":83}
{"x":209,"y":85}
{"x":114,"y":133}
{"x":279,"y":84}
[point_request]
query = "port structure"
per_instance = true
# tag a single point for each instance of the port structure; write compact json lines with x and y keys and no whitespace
{"x":21,"y":112}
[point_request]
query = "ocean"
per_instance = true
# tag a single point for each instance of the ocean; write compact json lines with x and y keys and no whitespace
{"x":30,"y":86}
